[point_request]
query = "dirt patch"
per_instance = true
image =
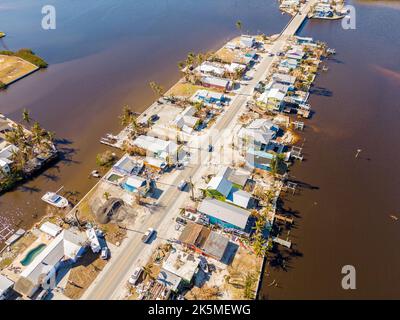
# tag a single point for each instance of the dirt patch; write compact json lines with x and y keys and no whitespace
{"x":83,"y":274}
{"x":182,"y":89}
{"x":243,"y":274}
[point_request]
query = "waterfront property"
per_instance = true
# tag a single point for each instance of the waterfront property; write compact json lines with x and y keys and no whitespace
{"x":67,"y":247}
{"x":226,"y":215}
{"x":209,"y":97}
{"x":128,"y":165}
{"x":259,"y":159}
{"x":258,"y":133}
{"x":216,"y":83}
{"x":186,"y":121}
{"x":182,"y":264}
{"x":166,"y":151}
{"x":204,"y":241}
{"x":221,"y":188}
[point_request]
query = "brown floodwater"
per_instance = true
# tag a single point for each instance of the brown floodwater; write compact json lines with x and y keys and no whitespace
{"x":102,"y":56}
{"x":342,"y":211}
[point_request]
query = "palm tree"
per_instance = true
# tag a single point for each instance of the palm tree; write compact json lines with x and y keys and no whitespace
{"x":37,"y":134}
{"x":259,"y":246}
{"x":190,"y":59}
{"x":106,"y":195}
{"x":26,"y":116}
{"x":157,"y":89}
{"x":126,"y":116}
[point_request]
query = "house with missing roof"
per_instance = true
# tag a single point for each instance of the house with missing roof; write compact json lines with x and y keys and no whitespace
{"x":127,"y":165}
{"x":64,"y":249}
{"x":204,"y":241}
{"x":181,"y":264}
{"x":226,"y":215}
{"x":220,"y":187}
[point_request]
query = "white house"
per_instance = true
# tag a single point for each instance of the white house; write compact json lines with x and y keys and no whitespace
{"x":234,"y":67}
{"x":65,"y":248}
{"x":247,"y":41}
{"x":259,"y":133}
{"x":157,"y":148}
{"x":5,"y":286}
{"x":185,"y":120}
{"x":94,"y":240}
{"x":210,"y":68}
{"x":284,"y":79}
{"x":50,"y":228}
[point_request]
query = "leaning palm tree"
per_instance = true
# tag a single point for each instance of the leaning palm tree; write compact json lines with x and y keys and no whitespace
{"x":26,"y":116}
{"x":157,"y":89}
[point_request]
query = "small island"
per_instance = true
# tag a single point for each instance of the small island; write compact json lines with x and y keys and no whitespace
{"x":19,"y":64}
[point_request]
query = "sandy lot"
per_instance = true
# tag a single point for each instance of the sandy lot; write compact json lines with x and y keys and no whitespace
{"x":13,"y":68}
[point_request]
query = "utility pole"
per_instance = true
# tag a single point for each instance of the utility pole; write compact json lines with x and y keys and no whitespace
{"x":191,"y":188}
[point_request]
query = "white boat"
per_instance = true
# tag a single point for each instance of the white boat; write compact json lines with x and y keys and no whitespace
{"x":55,"y":200}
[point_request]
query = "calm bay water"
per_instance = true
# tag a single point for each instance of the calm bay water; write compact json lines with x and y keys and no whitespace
{"x":343,"y":213}
{"x":103,"y":54}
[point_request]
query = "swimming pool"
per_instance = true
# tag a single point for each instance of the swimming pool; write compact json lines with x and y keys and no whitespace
{"x":129,"y":188}
{"x":32,"y":254}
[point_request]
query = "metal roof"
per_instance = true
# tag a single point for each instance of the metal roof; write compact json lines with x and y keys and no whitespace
{"x":225,"y":212}
{"x":216,"y":245}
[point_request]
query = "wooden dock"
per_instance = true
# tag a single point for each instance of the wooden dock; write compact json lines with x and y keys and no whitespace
{"x":282,"y":242}
{"x":283,"y":218}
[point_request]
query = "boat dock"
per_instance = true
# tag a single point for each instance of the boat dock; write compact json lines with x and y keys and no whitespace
{"x":15,"y":237}
{"x":282,"y":242}
{"x":283,"y":218}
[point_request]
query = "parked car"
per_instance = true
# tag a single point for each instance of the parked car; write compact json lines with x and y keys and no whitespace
{"x":182,"y":185}
{"x":154,"y":117}
{"x":105,"y":253}
{"x":135,"y":276}
{"x":181,"y":220}
{"x":148,"y":234}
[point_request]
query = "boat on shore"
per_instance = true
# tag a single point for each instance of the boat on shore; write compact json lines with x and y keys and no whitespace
{"x":54,"y":199}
